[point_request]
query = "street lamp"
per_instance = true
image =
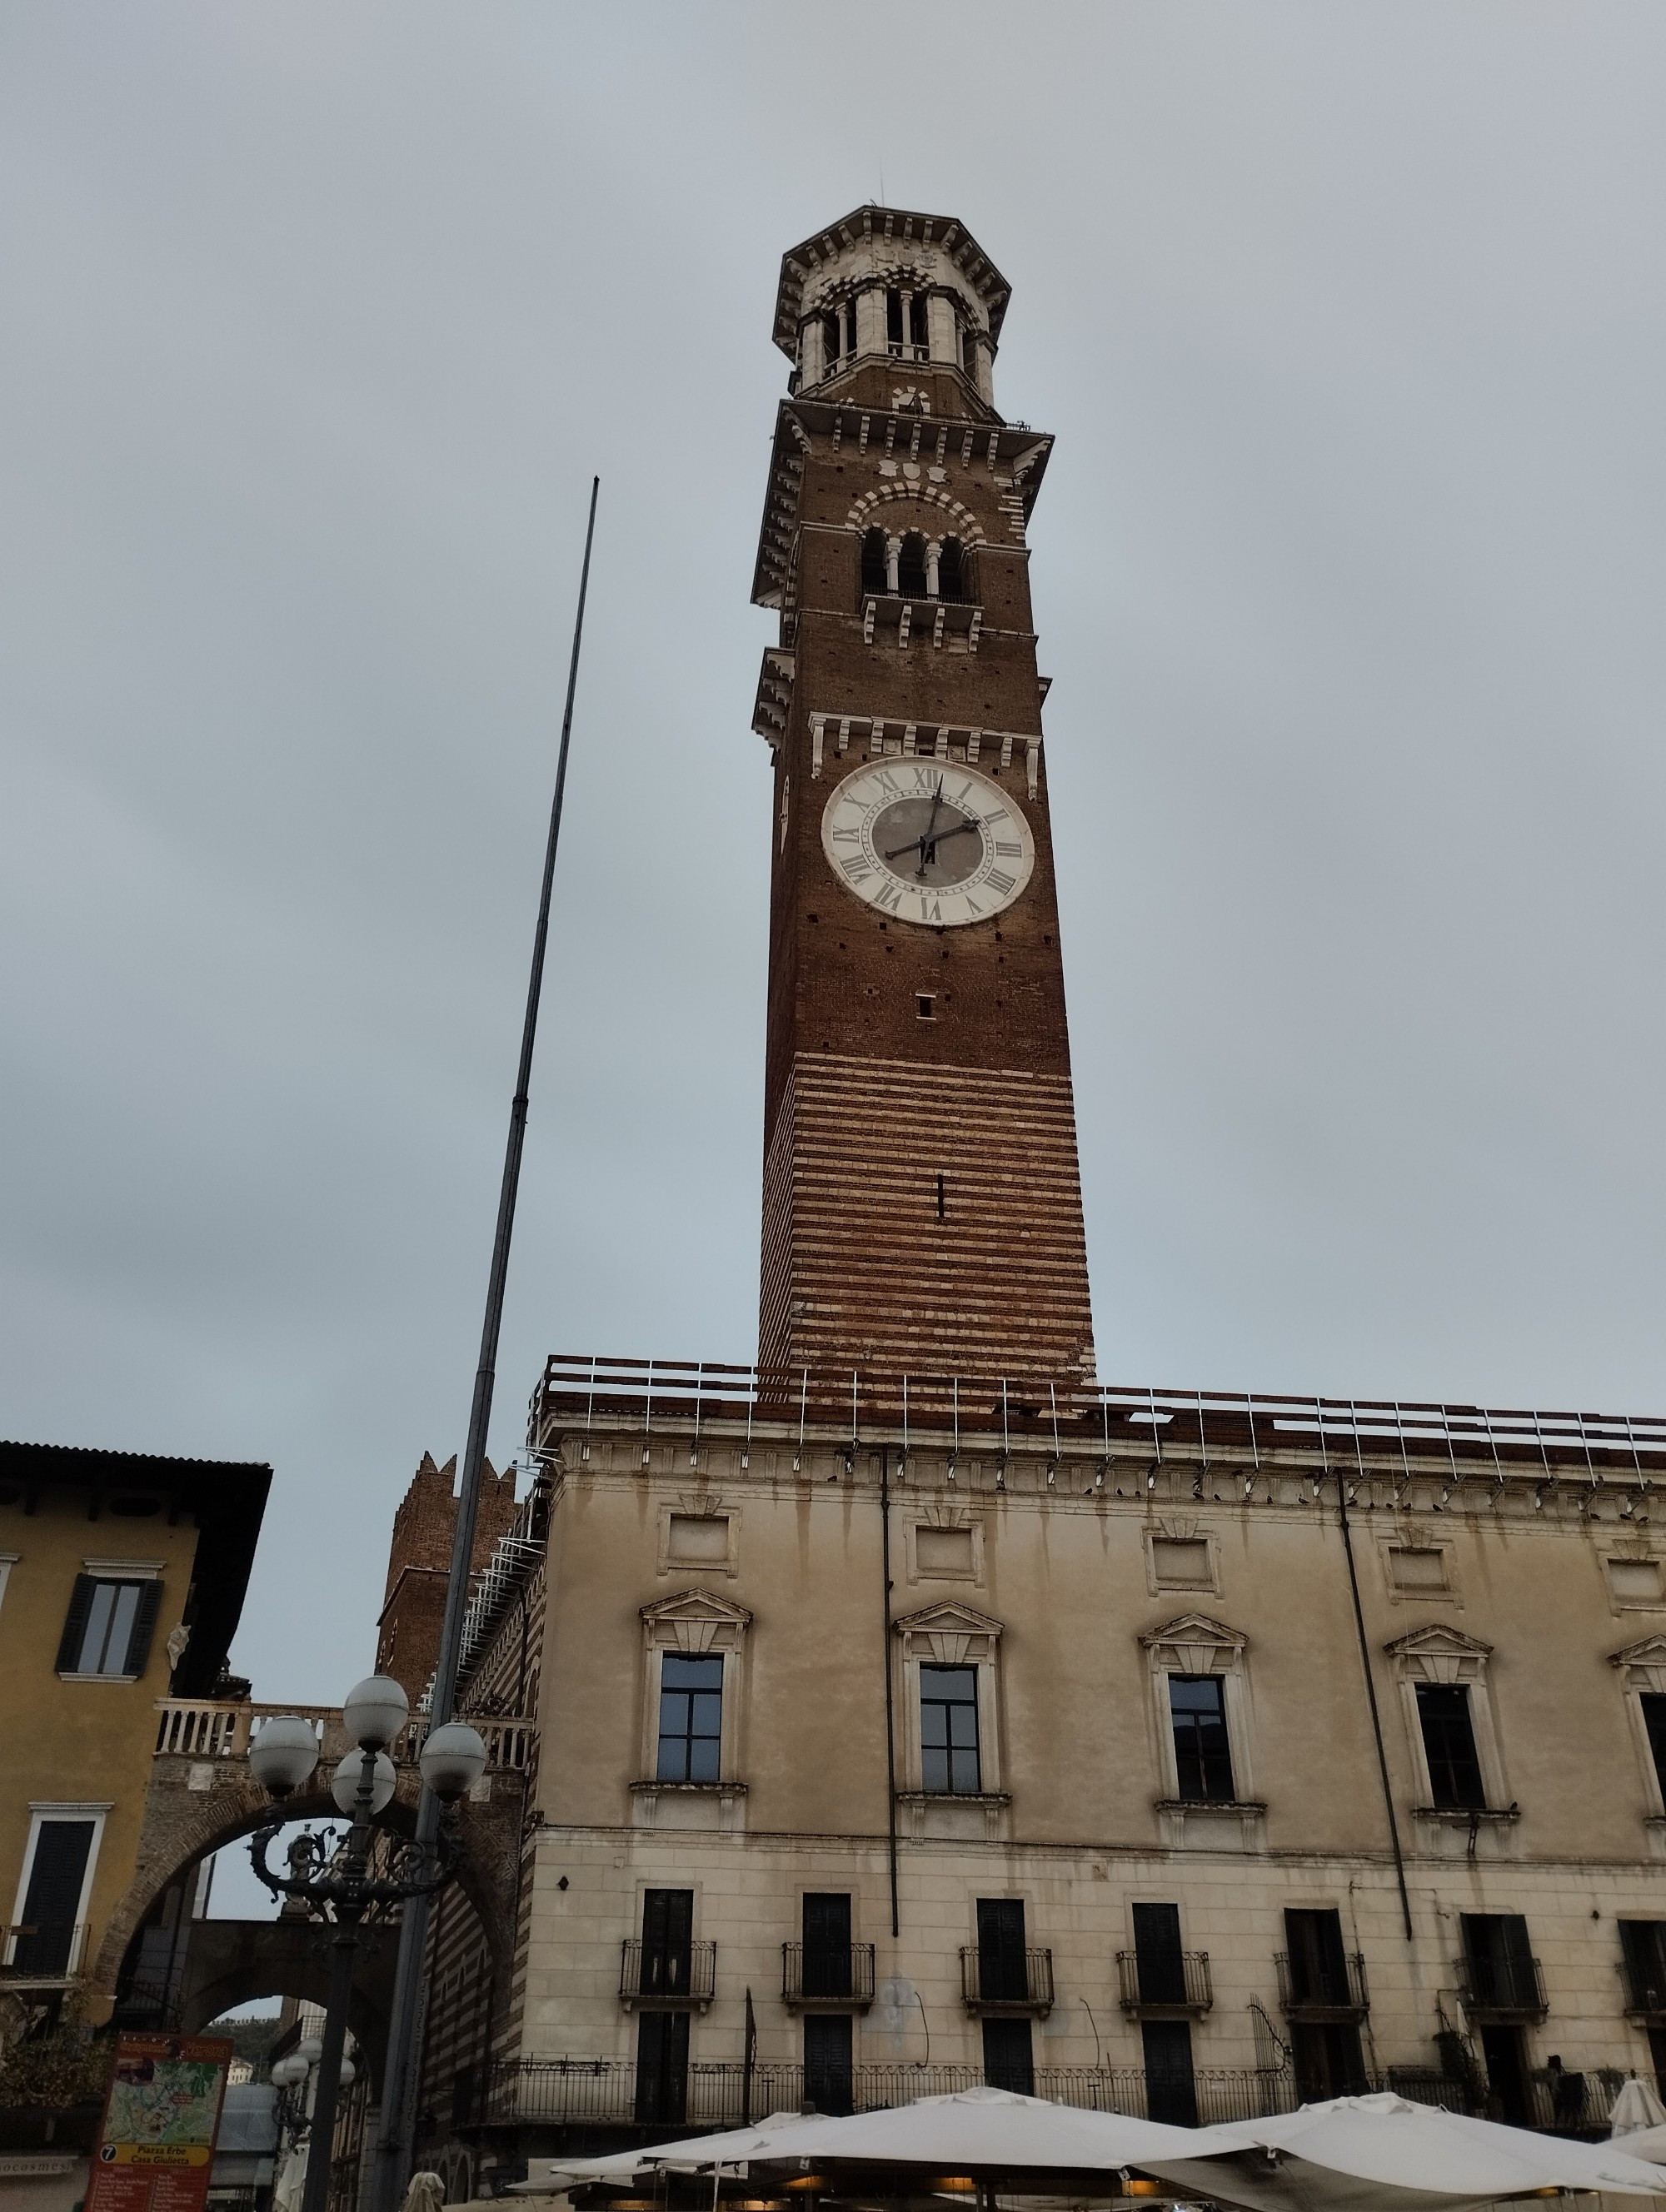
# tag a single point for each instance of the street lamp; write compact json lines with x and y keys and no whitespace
{"x":282,"y":1758}
{"x":290,"y":2077}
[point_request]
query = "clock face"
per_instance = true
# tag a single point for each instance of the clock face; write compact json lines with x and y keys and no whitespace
{"x":929,"y":840}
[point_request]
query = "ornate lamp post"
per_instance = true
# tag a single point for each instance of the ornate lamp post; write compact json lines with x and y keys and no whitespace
{"x":282,"y":1758}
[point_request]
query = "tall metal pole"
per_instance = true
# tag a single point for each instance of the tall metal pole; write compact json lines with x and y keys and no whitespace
{"x":394,"y":2142}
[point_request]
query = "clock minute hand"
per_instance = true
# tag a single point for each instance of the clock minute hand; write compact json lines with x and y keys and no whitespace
{"x":914,"y":843}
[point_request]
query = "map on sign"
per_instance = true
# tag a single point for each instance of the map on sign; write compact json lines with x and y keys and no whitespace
{"x":171,"y":2102}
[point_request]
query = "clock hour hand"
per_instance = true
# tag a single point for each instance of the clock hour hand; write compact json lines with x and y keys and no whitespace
{"x":918,"y":844}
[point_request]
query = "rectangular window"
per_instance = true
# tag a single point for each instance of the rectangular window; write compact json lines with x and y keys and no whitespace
{"x":1002,"y":1965}
{"x":827,"y":1947}
{"x":1009,"y":2059}
{"x":1449,"y":1744}
{"x":668,"y":1941}
{"x":948,"y":1730}
{"x":1635,"y":1582}
{"x":1202,"y":1756}
{"x":828,"y":2062}
{"x":1654,"y":1722}
{"x":1156,"y":1953}
{"x":1170,"y":2084}
{"x":1327,"y":2061}
{"x":109,"y":1626}
{"x":662,"y":2069}
{"x":1643,"y":1949}
{"x":45,"y":1940}
{"x":691,"y":1718}
{"x":1498,"y":1962}
{"x":1318,"y":1962}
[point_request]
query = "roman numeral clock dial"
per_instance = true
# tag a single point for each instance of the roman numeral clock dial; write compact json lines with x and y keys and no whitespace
{"x":928,"y":840}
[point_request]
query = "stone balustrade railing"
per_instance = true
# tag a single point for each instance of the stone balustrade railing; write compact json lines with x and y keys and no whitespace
{"x":208,"y":1729}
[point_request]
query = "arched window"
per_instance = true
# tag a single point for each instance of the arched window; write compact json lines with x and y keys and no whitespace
{"x":952,"y":578}
{"x":918,"y":333}
{"x":911,"y":567}
{"x":873,"y":563}
{"x":894,"y":322}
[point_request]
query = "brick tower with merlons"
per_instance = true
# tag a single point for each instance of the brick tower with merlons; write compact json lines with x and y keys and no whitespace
{"x":922,"y":1206}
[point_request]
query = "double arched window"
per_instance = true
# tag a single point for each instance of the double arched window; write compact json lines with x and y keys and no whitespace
{"x":912,"y":566}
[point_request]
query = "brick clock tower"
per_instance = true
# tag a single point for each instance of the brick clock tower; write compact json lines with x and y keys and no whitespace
{"x":922,"y":1204}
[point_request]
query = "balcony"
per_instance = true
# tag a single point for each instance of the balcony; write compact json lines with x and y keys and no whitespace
{"x":44,"y":1957}
{"x":728,"y":2093}
{"x":662,"y":1977}
{"x":1006,"y":1981}
{"x":1318,"y":1989}
{"x":1645,"y":1984}
{"x":1169,"y":1985}
{"x":948,"y":623}
{"x":1501,"y":1989}
{"x":822,"y":1978}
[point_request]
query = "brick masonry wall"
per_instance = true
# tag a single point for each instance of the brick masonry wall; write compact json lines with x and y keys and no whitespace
{"x":867,"y":1101}
{"x":419,"y":1562}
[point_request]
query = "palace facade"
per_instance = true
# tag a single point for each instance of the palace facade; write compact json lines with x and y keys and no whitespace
{"x":911,"y":1709}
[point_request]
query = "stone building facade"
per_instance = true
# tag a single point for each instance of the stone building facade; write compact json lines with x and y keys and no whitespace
{"x":911,"y":1709}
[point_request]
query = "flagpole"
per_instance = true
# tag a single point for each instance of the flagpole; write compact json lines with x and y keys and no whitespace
{"x":394,"y":2143}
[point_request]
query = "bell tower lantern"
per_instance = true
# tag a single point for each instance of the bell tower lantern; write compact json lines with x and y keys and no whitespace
{"x":922,"y":1206}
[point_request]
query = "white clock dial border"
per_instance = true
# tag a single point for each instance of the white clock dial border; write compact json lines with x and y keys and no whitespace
{"x":882,"y":737}
{"x":943,"y":905}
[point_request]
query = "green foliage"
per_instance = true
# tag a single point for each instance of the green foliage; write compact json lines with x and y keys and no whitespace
{"x":1457,"y":2064}
{"x":67,"y":2065}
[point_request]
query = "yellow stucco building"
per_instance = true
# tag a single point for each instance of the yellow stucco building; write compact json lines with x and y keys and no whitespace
{"x":121,"y":1576}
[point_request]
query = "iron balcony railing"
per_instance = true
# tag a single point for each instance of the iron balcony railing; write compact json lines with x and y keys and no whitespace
{"x":729,"y":2093}
{"x":1501,"y":1988}
{"x":1645,"y":1984}
{"x":1167,"y":1983}
{"x":1322,"y":1989}
{"x":835,"y":1975}
{"x":46,"y":1952}
{"x":666,"y":1975}
{"x":1006,"y":1981}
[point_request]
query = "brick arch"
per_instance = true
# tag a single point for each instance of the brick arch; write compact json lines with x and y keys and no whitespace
{"x":967,"y":527}
{"x":182,"y":1827}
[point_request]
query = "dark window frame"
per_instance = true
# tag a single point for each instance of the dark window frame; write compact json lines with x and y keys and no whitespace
{"x":690,"y":1733}
{"x":113,"y":1623}
{"x":1447,"y":1725}
{"x":1202,"y":1741}
{"x":944,"y":1761}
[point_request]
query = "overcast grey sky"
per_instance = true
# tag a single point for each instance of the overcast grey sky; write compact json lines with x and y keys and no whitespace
{"x":1349,"y":320}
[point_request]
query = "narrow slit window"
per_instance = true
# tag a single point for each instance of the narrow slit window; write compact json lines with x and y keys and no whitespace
{"x":942,"y":1198}
{"x":894,"y":321}
{"x":830,"y":340}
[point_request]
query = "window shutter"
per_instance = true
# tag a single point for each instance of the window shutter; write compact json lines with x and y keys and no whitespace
{"x":74,"y":1627}
{"x":144,"y":1628}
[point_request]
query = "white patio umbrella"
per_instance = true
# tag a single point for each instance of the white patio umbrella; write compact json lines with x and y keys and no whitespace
{"x":972,"y":2129}
{"x":1637,"y":2111}
{"x":1382,"y":2155}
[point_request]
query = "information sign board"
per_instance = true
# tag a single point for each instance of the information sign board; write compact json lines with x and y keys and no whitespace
{"x":155,"y":2145}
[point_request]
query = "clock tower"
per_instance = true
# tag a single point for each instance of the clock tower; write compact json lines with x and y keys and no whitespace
{"x":922,"y":1204}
